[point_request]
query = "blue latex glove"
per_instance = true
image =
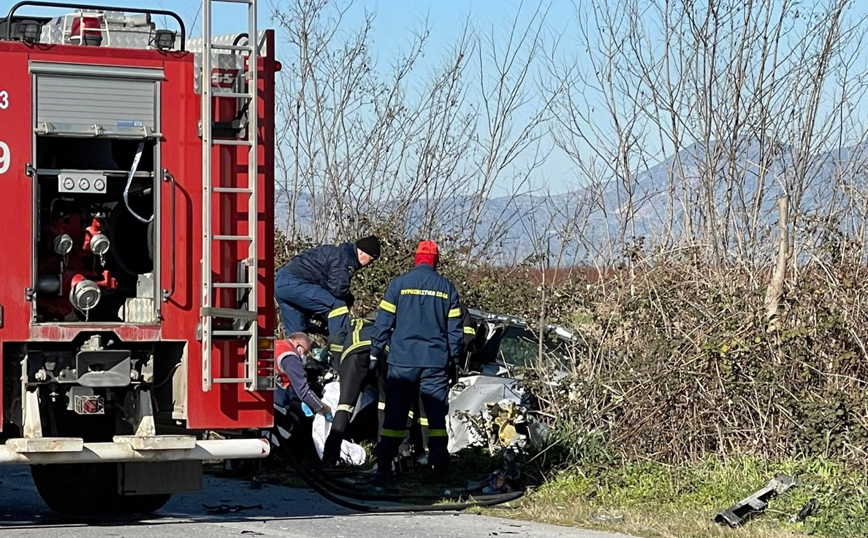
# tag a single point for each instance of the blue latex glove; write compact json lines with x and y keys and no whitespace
{"x":308,"y":413}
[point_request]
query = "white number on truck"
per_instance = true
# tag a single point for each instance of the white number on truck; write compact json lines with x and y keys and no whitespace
{"x":4,"y":157}
{"x":4,"y":99}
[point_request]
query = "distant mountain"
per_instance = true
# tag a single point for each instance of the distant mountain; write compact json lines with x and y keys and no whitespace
{"x":527,"y":224}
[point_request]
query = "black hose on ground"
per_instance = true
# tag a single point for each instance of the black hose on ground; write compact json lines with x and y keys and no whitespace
{"x":347,"y":490}
{"x":311,"y":480}
{"x":340,"y":487}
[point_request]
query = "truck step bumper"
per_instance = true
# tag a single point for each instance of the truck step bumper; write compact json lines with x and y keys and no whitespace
{"x":43,"y":451}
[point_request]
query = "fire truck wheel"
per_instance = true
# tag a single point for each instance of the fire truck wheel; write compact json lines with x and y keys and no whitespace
{"x":142,"y":504}
{"x":89,"y":489}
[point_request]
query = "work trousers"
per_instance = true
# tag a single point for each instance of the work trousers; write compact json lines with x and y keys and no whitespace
{"x":403,"y":387}
{"x":354,"y":376}
{"x":299,"y":300}
{"x":419,"y":430}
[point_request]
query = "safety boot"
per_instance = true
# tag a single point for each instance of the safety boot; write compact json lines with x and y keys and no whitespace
{"x":383,"y":477}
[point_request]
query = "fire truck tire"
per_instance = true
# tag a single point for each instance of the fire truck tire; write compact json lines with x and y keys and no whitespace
{"x":142,"y":504}
{"x":89,"y":489}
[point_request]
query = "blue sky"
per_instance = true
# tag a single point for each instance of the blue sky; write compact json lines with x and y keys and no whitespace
{"x":395,"y":23}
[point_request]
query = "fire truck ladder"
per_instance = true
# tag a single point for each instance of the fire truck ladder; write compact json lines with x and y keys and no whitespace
{"x":244,"y":325}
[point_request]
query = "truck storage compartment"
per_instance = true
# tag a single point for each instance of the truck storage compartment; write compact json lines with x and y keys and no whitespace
{"x":95,"y":156}
{"x":76,"y":99}
{"x":95,"y":214}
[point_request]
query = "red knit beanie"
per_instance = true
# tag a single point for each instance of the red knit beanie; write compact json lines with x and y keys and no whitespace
{"x":427,"y":253}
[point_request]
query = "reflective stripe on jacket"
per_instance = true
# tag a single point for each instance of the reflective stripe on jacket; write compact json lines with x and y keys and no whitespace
{"x":420,"y":319}
{"x":358,"y":340}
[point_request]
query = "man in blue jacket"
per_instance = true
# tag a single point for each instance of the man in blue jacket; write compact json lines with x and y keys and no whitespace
{"x":420,"y":320}
{"x":472,"y":344}
{"x":317,"y":282}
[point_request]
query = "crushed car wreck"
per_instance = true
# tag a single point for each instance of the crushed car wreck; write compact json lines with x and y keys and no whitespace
{"x":487,"y":405}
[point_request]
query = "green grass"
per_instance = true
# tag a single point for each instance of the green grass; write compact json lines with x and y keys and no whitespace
{"x":657,"y":500}
{"x":651,"y":499}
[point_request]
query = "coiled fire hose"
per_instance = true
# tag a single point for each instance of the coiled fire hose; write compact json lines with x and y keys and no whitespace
{"x":327,"y":488}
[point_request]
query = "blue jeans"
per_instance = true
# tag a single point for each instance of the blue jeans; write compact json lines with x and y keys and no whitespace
{"x":299,"y":300}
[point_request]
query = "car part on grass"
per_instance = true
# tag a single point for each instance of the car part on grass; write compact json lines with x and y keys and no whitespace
{"x":743,"y":510}
{"x":809,"y":508}
{"x":606,"y":518}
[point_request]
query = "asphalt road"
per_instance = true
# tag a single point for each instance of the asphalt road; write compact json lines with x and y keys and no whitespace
{"x":284,"y":512}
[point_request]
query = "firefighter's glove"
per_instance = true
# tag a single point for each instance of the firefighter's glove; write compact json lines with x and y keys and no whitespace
{"x":373,"y":364}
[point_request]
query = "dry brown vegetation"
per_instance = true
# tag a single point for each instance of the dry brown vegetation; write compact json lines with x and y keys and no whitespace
{"x":722,"y":312}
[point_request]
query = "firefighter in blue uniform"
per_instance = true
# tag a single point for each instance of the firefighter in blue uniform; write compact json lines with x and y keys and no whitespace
{"x":356,"y":369}
{"x":472,"y":343}
{"x":420,"y":319}
{"x":317,"y":282}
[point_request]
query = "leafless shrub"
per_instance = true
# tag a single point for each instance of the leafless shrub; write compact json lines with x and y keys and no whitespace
{"x":362,"y":146}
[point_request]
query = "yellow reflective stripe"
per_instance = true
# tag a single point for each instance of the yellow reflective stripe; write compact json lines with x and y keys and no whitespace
{"x":354,"y":347}
{"x":347,"y":408}
{"x":392,"y":433}
{"x":437,"y":433}
{"x":381,"y":405}
{"x":336,"y":348}
{"x":387,"y":306}
{"x":470,"y":330}
{"x":423,"y":421}
{"x":356,"y":333}
{"x":411,"y":415}
{"x":455,"y":313}
{"x":339,"y":311}
{"x":357,"y":330}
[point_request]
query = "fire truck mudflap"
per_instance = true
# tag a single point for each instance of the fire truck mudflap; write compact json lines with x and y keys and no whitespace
{"x":136,"y":308}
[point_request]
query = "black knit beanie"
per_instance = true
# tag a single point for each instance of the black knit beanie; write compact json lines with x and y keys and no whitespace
{"x":369,"y":245}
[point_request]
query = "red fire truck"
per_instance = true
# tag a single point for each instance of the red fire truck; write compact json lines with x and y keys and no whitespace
{"x":136,"y":303}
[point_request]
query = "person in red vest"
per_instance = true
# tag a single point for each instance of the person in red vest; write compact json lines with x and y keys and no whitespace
{"x":292,"y":425}
{"x":291,"y":378}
